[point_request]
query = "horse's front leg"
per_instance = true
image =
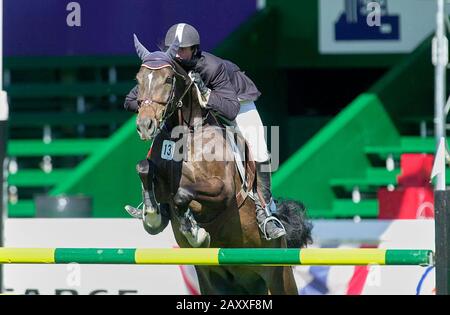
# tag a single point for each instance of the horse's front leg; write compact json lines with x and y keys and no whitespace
{"x":210,"y":190}
{"x":282,"y":281}
{"x":153,"y":219}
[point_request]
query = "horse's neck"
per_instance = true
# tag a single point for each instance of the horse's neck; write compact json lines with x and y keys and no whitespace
{"x":191,"y":113}
{"x":192,"y":110}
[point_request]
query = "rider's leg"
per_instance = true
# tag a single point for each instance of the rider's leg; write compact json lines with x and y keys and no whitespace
{"x":250,"y":125}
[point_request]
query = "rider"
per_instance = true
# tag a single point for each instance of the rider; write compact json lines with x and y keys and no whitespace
{"x":227,"y":91}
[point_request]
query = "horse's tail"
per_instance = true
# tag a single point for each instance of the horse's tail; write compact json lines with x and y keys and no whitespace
{"x":298,"y":227}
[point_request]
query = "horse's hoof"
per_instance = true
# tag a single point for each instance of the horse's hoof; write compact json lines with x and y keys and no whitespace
{"x":207,"y":242}
{"x":203,"y":238}
{"x":152,"y":218}
{"x":199,"y":239}
{"x":182,"y":197}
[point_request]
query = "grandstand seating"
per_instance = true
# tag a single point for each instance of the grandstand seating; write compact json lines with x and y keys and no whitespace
{"x":61,"y":108}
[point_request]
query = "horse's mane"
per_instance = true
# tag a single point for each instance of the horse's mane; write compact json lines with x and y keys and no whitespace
{"x":179,"y":69}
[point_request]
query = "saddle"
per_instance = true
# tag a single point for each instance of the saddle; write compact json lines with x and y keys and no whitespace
{"x":245,"y":164}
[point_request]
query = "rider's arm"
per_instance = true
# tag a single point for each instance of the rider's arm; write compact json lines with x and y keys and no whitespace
{"x":131,"y":104}
{"x":223,"y":98}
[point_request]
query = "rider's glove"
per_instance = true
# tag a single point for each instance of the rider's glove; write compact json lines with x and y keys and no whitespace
{"x":195,"y":76}
{"x":202,"y":89}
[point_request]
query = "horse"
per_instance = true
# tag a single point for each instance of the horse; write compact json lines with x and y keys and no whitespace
{"x":204,"y":199}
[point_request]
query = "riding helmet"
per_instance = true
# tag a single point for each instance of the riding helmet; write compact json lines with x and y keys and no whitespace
{"x":187,"y":34}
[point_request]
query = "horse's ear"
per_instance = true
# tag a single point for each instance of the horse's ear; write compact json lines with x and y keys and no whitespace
{"x":173,"y":49}
{"x":140,"y":49}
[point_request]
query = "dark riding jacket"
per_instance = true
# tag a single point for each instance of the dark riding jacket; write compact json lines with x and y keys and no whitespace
{"x":229,"y":85}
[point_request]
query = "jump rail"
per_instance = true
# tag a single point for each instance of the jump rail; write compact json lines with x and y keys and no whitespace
{"x":217,"y":256}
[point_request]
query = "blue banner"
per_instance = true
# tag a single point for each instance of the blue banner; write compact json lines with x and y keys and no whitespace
{"x":41,"y":27}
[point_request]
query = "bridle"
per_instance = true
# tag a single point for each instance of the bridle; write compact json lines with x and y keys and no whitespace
{"x":172,"y":105}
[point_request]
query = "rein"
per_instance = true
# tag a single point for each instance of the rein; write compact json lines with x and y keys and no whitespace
{"x":171,"y":105}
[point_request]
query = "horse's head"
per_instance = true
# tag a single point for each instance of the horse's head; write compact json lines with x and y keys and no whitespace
{"x":159,"y":79}
{"x":155,"y":98}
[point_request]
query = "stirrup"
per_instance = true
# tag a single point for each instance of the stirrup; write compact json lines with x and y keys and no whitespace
{"x":263,"y":226}
{"x":135,"y":212}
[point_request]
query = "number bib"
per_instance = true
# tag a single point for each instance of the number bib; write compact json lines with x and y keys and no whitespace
{"x":167,"y":150}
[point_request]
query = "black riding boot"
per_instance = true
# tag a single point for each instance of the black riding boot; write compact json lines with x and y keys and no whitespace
{"x":270,"y":226}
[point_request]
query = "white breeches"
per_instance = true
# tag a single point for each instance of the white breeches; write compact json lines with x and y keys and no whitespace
{"x":250,"y":125}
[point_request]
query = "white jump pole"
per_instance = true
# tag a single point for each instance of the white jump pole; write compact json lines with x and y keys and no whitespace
{"x":440,"y":61}
{"x":4,"y":114}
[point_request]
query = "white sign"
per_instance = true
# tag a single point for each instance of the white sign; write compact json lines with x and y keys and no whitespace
{"x":153,"y":279}
{"x":374,"y":26}
{"x":373,"y":279}
{"x":90,"y":279}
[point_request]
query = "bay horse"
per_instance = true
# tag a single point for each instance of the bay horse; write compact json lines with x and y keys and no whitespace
{"x":207,"y":189}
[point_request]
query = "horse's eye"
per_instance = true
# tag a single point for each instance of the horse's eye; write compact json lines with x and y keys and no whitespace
{"x":169,"y":80}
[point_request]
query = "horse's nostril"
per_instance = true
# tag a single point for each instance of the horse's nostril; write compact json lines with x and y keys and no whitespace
{"x":152,"y":126}
{"x":146,"y":127}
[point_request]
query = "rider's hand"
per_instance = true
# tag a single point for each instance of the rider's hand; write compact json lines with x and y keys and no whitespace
{"x":195,"y":76}
{"x":202,"y":89}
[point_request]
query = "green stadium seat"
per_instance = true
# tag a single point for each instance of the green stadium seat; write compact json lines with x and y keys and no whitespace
{"x":44,"y":94}
{"x":407,"y":145}
{"x":22,"y":209}
{"x":37,"y":177}
{"x":31,"y":119}
{"x":59,"y":147}
{"x":41,"y":90}
{"x":347,"y":208}
{"x":375,"y":177}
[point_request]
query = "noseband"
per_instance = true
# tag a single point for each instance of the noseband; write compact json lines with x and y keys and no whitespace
{"x":171,"y":105}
